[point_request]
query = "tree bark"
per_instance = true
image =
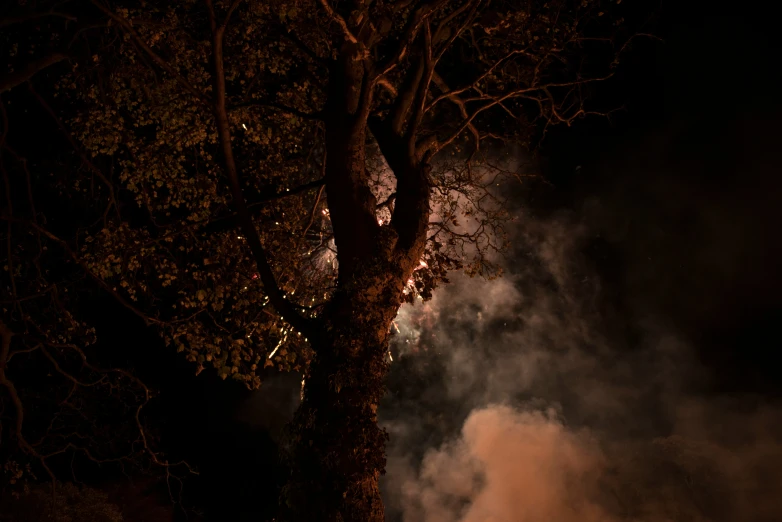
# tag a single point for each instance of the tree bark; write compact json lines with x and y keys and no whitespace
{"x":337,"y":449}
{"x":351,"y":202}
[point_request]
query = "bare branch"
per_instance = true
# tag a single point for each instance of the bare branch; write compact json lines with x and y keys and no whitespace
{"x":76,"y":259}
{"x":443,"y":26}
{"x":387,"y":85}
{"x":84,"y":158}
{"x":18,"y":19}
{"x":476,"y":82}
{"x":65,"y":374}
{"x":423,"y":87}
{"x":524,"y":92}
{"x":10,"y":81}
{"x":312,"y":212}
{"x":5,"y":348}
{"x":231,"y":9}
{"x":440,"y":83}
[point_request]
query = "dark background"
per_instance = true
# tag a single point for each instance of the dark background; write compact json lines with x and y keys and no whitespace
{"x":691,"y":174}
{"x":686,"y":180}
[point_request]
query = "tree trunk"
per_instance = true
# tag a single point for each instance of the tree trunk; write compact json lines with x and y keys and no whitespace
{"x":337,"y":449}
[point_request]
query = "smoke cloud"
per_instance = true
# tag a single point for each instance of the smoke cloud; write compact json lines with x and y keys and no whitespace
{"x":544,"y":396}
{"x":478,"y":477}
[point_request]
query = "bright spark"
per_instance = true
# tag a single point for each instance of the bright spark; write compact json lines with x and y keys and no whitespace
{"x":245,"y":126}
{"x":278,"y":345}
{"x":275,"y":349}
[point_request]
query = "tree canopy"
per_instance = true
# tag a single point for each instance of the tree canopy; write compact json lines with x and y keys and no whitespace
{"x":265,"y":183}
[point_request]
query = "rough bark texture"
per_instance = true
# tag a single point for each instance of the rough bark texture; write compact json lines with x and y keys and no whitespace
{"x":351,"y":201}
{"x":337,"y":451}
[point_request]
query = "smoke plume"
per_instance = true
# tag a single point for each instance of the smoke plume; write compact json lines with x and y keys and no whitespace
{"x":548,"y":395}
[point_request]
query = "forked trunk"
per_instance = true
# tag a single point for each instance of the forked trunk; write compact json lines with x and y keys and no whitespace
{"x":337,"y":449}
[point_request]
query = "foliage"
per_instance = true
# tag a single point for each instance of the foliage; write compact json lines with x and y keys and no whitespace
{"x":70,"y":503}
{"x":179,"y":258}
{"x":265,"y":182}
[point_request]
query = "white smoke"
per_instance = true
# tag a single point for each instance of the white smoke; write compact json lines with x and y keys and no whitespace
{"x":522,"y":400}
{"x":508,"y":465}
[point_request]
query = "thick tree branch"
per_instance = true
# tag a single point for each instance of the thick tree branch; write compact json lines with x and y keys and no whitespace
{"x":404,"y":100}
{"x":413,"y":79}
{"x":411,"y":32}
{"x":276,"y":297}
{"x":387,"y":85}
{"x":411,"y":200}
{"x":337,"y":18}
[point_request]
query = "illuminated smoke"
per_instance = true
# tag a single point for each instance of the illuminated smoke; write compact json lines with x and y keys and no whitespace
{"x":508,"y":466}
{"x":521,"y":400}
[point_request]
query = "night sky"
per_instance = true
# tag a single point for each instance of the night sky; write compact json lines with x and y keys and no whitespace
{"x":679,"y":196}
{"x":691,"y":174}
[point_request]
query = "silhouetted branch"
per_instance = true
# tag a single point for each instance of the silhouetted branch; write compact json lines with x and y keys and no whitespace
{"x":200,"y":96}
{"x":9,"y":81}
{"x":283,"y":306}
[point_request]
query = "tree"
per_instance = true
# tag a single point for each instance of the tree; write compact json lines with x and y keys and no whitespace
{"x":271,"y":180}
